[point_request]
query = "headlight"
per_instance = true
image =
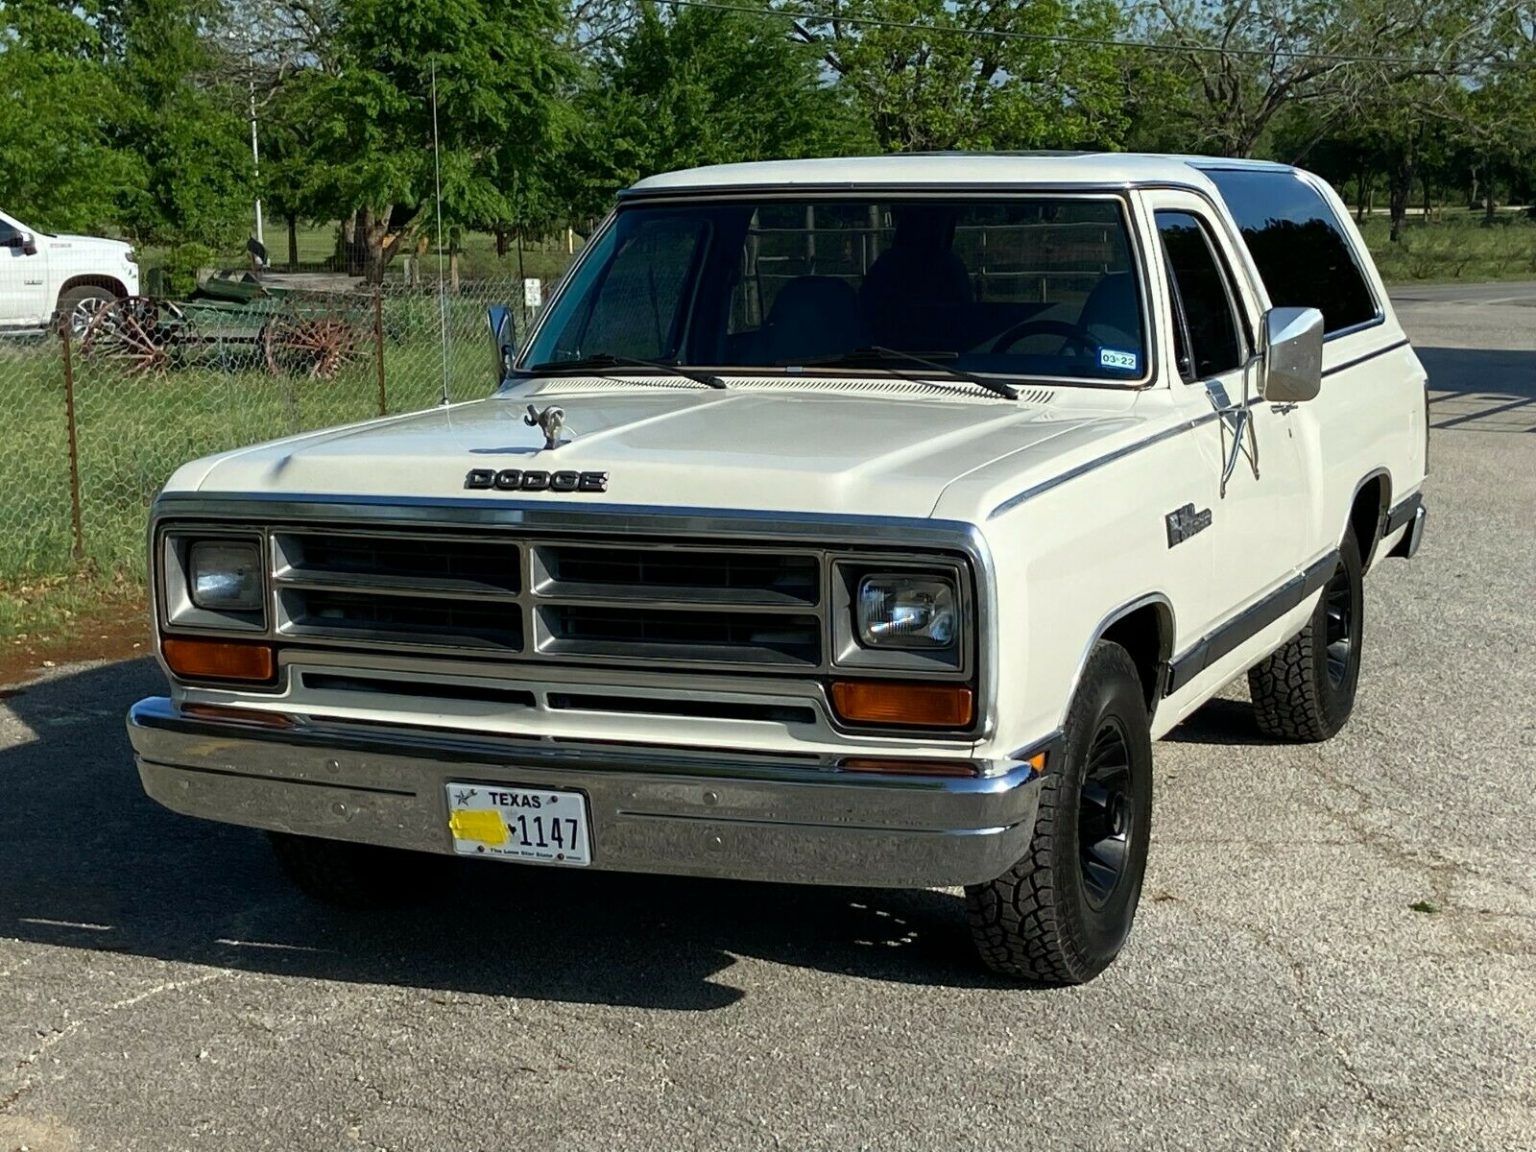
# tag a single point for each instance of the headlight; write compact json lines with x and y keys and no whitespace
{"x":897,"y":611}
{"x":225,"y":575}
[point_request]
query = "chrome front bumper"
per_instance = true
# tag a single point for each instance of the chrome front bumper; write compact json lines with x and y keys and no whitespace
{"x":723,"y":814}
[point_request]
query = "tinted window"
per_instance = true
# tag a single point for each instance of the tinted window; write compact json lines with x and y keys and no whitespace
{"x":632,"y":296}
{"x":9,"y":237}
{"x":1026,"y":286}
{"x":1205,"y":327}
{"x":1297,"y":244}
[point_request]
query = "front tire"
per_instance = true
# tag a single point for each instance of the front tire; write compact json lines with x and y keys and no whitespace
{"x":79,"y":305}
{"x":1063,"y":912}
{"x":1305,"y":691}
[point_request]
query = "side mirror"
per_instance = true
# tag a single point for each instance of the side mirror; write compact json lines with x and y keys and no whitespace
{"x":1292,"y":356}
{"x":28,"y":244}
{"x":503,"y":339}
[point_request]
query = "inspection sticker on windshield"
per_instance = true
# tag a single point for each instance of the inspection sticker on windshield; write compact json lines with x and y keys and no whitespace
{"x":545,"y":826}
{"x":1112,"y":358}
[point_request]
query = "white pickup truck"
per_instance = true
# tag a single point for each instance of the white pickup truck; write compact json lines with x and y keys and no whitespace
{"x":44,"y":278}
{"x":840,"y":521}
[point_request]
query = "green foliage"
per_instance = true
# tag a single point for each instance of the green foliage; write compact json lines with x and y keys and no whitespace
{"x":698,"y":86}
{"x":59,"y":166}
{"x":952,"y":82}
{"x":184,"y":122}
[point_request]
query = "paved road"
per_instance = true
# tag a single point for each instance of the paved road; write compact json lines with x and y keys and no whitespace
{"x":1337,"y":946}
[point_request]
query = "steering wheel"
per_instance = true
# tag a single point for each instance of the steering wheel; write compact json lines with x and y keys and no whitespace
{"x":1072,"y":334}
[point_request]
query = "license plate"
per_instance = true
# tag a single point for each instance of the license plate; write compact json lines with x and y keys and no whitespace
{"x":543,"y":825}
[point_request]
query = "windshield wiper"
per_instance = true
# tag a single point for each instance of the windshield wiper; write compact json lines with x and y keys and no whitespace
{"x":880,"y":354}
{"x":610,"y":360}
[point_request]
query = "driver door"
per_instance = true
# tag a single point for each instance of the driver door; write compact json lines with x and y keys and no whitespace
{"x":1258,"y":503}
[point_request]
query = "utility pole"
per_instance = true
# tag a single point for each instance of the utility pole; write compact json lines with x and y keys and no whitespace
{"x":255,"y":153}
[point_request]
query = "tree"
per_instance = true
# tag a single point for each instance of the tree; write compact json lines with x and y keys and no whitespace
{"x":59,"y":166}
{"x":1243,"y":61}
{"x":984,"y":74}
{"x":185,"y":120}
{"x":369,"y":123}
{"x":695,"y":86}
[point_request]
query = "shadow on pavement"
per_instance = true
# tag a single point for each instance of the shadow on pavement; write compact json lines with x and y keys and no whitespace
{"x":1221,"y":721}
{"x":87,"y":861}
{"x":1481,"y":389}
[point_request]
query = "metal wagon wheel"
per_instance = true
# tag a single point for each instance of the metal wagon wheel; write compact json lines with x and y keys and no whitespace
{"x":313,"y":344}
{"x":136,"y":333}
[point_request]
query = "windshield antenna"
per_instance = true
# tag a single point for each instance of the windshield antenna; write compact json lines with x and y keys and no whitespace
{"x":437,"y":181}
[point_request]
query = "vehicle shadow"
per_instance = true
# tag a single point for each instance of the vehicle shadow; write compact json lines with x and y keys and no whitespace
{"x":1222,"y":721}
{"x":87,"y":861}
{"x":1481,"y":389}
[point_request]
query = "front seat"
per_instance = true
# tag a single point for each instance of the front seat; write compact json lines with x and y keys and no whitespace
{"x":812,"y":318}
{"x":1111,"y":314}
{"x":913,"y":292}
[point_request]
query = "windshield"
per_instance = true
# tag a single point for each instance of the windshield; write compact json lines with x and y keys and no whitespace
{"x":1036,"y":287}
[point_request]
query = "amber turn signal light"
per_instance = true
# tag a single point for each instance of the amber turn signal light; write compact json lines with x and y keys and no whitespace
{"x":218,"y":659}
{"x":907,"y":705}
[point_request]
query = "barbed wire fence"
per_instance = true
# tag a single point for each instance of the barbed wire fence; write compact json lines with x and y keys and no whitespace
{"x":97,"y":420}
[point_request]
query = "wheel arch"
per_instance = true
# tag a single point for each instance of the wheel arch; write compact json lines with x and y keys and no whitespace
{"x":1368,"y":512}
{"x":1145,"y":628}
{"x":95,"y":280}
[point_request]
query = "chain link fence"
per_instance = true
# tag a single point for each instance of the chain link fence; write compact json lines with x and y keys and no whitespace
{"x":95,"y":421}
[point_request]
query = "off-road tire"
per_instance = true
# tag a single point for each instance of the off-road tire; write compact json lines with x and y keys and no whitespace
{"x":350,"y":875}
{"x":72,"y":299}
{"x":1294,"y":695}
{"x":1037,"y":921}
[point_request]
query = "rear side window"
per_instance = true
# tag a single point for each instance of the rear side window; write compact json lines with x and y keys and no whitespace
{"x":1298,"y":245}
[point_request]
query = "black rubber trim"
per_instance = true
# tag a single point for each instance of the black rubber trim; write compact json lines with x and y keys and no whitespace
{"x":1403,"y":513}
{"x":1403,"y":343}
{"x":1249,"y":622}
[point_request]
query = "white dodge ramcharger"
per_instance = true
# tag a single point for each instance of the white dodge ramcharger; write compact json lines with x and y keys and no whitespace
{"x":44,"y":278}
{"x":840,"y":521}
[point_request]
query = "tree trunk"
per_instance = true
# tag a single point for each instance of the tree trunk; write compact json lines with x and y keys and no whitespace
{"x":501,"y":241}
{"x":1362,"y":193}
{"x":1399,"y":185}
{"x":293,"y":244}
{"x":1427,"y":198}
{"x":1488,"y":204}
{"x":453,"y":269}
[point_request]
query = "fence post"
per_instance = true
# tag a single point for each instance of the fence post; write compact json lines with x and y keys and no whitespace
{"x":74,"y":444}
{"x":378,"y":347}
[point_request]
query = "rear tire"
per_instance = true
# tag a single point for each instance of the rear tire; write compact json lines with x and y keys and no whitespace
{"x":79,"y":305}
{"x":1063,"y":912}
{"x":350,"y":875}
{"x":1305,"y":691}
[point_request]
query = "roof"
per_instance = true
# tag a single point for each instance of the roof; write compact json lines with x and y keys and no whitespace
{"x":930,"y":169}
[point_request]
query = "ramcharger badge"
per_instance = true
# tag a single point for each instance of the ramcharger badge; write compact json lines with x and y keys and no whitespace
{"x":533,"y":480}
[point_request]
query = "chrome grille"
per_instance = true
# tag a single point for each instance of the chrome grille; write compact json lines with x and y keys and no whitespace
{"x":567,"y":600}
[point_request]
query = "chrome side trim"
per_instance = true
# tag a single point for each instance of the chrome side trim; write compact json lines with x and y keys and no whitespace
{"x":1087,"y":466}
{"x":1361,"y":359}
{"x":1233,"y":632}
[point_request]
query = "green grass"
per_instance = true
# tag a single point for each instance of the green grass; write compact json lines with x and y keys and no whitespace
{"x":133,"y":431}
{"x":1455,"y":244}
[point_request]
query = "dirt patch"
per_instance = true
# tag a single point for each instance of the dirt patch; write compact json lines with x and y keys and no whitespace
{"x":116,"y":630}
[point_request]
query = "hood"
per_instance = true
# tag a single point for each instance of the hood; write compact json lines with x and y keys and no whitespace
{"x":772,"y":450}
{"x":96,"y":242}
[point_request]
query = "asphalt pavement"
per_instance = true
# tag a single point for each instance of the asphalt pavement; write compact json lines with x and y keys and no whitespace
{"x":1336,"y":946}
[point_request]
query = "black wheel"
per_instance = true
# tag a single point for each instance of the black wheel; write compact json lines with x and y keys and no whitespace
{"x":79,"y":306}
{"x":354,"y":875}
{"x":1063,"y":912}
{"x":1306,"y":690}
